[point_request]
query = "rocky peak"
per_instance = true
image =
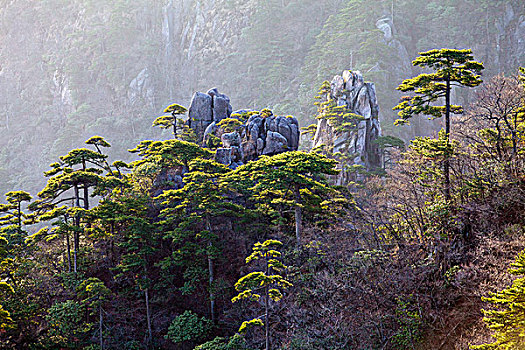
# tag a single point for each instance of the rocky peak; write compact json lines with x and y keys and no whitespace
{"x":358,"y":97}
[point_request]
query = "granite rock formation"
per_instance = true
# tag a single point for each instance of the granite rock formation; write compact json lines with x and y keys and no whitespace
{"x":258,"y":133}
{"x":208,"y":108}
{"x":359,"y":97}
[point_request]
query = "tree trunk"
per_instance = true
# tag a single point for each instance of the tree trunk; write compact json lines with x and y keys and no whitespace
{"x":211,"y":274}
{"x":266,"y":319}
{"x":266,"y":308}
{"x":148,"y":317}
{"x":76,"y":235}
{"x":19,"y":217}
{"x":298,"y":216}
{"x":100,"y":321}
{"x":211,"y":269}
{"x":446,"y":165}
{"x":68,"y":253}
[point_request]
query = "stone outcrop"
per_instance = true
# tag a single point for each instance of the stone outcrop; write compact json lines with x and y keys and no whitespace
{"x":259,"y":133}
{"x":266,"y":134}
{"x":208,"y":108}
{"x":403,"y":68}
{"x":359,"y":97}
{"x":141,"y":89}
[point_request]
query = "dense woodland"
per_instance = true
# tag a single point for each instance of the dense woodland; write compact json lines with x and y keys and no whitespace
{"x":102,"y":249}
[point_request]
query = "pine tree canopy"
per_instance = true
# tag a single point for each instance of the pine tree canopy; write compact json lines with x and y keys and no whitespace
{"x":451,"y":68}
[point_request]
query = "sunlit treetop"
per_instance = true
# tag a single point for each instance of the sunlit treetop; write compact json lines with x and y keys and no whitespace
{"x":98,"y":141}
{"x":169,"y":152}
{"x":175,"y":109}
{"x":451,"y":67}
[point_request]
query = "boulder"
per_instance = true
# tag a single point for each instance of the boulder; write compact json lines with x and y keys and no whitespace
{"x":200,"y":113}
{"x":261,"y":134}
{"x":275,"y":143}
{"x":223,"y":156}
{"x":221,"y":108}
{"x":231,"y":139}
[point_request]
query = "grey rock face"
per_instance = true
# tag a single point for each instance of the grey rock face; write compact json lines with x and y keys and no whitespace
{"x":231,"y":139}
{"x":211,"y":129}
{"x":275,"y":143}
{"x":261,"y":134}
{"x":359,"y":98}
{"x":200,"y":113}
{"x":224,"y":156}
{"x":206,"y":109}
{"x":221,"y":108}
{"x":141,"y":89}
{"x":231,"y":157}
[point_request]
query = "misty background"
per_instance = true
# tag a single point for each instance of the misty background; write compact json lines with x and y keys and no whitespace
{"x":71,"y":69}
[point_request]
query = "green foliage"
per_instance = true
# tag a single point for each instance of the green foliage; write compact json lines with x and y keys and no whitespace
{"x":309,"y":130}
{"x":452,"y":68}
{"x":266,"y":284}
{"x":230,"y":124}
{"x":66,"y":326}
{"x":389,"y":142}
{"x":236,"y":342}
{"x":290,"y":180}
{"x":188,"y":327}
{"x":6,"y":321}
{"x":174,"y":121}
{"x":93,"y":292}
{"x":410,"y":325}
{"x":506,"y":319}
{"x":246,"y":325}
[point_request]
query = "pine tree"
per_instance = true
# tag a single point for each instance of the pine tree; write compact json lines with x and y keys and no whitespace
{"x":192,"y":213}
{"x":507,"y":320}
{"x":5,"y":288}
{"x":94,"y":293}
{"x":70,"y":181}
{"x":139,"y":245}
{"x":12,"y":222}
{"x":171,"y":120}
{"x":452,"y":68}
{"x":290,"y":180}
{"x":267,"y":284}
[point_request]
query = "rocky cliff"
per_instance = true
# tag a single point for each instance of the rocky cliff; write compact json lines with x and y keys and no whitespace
{"x":354,"y":145}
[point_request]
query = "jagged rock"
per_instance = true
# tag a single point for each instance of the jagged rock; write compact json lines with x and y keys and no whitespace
{"x":231,"y":139}
{"x":402,"y":69}
{"x":200,"y":114}
{"x":337,"y":86}
{"x":385,"y":25}
{"x":262,"y":133}
{"x":206,"y":109}
{"x":350,"y":90}
{"x":223,"y":156}
{"x":275,"y":143}
{"x":260,"y":145}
